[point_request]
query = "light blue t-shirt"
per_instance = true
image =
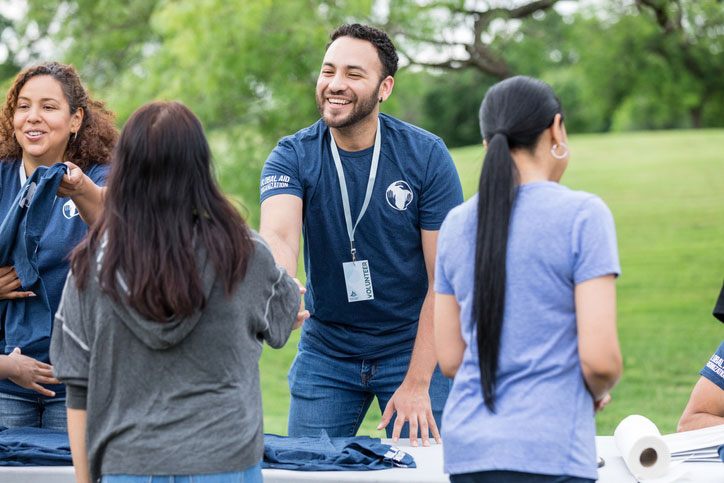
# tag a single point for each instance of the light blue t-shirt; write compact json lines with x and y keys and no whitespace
{"x":416,"y":185}
{"x":544,"y":413}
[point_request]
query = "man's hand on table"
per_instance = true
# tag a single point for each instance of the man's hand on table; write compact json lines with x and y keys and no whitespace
{"x":412,"y":403}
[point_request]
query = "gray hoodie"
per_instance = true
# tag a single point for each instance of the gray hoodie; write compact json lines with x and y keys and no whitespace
{"x":180,"y":397}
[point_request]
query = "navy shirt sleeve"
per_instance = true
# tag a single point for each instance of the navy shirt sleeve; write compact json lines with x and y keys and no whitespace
{"x":441,"y":190}
{"x":714,"y":369}
{"x":719,"y":307}
{"x":98,"y":173}
{"x":280,"y":174}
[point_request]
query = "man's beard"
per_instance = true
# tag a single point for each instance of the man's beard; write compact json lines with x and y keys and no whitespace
{"x":362,"y":108}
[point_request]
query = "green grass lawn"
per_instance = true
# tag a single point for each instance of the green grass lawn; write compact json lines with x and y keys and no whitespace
{"x":666,"y":191}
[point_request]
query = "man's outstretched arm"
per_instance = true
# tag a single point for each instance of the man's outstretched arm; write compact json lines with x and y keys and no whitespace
{"x":705,"y":407}
{"x":412,"y":398}
{"x":281,"y":227}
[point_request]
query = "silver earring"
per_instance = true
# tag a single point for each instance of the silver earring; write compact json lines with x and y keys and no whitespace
{"x":75,"y":136}
{"x":559,"y":156}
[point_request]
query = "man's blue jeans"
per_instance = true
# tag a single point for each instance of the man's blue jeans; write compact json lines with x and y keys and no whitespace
{"x":32,"y":411}
{"x":334,"y":394}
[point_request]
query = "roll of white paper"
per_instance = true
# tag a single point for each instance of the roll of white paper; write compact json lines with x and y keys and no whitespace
{"x":642,"y":448}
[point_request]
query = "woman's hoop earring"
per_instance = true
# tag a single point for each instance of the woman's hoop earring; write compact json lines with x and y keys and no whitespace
{"x":559,"y":156}
{"x":75,"y":136}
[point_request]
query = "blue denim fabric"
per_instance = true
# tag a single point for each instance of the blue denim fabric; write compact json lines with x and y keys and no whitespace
{"x":322,"y":453}
{"x":32,"y":411}
{"x":250,"y":475}
{"x":34,"y":447}
{"x":334,"y":394}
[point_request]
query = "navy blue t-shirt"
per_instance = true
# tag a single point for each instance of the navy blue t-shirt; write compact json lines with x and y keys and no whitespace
{"x":63,"y":232}
{"x":714,"y":369}
{"x":416,"y":185}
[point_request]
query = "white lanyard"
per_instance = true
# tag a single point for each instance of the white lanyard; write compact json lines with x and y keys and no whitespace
{"x":343,"y":186}
{"x":23,"y":176}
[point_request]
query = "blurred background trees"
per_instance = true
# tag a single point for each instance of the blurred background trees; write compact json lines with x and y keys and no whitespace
{"x":248,"y":67}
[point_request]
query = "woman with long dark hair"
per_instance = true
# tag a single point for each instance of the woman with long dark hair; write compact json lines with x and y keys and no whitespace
{"x":162,"y":320}
{"x":48,"y":117}
{"x":525,"y":308}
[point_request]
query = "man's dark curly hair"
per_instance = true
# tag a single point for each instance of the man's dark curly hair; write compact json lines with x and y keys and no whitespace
{"x":385,"y":48}
{"x":97,"y":134}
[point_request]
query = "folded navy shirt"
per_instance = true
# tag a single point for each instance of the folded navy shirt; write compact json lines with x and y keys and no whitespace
{"x":24,"y":224}
{"x":20,"y":234}
{"x":47,"y":447}
{"x":323,"y":453}
{"x":34,"y":447}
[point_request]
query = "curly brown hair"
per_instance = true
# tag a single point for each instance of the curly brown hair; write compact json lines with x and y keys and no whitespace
{"x":97,"y":134}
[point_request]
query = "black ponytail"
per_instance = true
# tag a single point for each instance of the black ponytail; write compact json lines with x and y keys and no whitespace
{"x":513,"y":115}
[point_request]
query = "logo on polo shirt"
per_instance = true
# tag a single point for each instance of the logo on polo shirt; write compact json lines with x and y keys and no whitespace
{"x":69,"y":209}
{"x":399,"y":195}
{"x":715,"y":364}
{"x":28,"y":195}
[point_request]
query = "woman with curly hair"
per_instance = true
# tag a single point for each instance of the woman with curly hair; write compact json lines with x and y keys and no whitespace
{"x":47,"y":118}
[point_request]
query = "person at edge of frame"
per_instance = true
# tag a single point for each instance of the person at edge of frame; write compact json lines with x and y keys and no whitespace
{"x":48,"y":117}
{"x":706,"y":403}
{"x":369,"y":193}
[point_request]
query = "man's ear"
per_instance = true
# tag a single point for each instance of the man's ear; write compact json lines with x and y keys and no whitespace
{"x":385,"y":89}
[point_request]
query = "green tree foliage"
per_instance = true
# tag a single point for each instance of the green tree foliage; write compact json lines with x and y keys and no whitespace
{"x":21,"y":42}
{"x":248,"y":67}
{"x":616,"y":65}
{"x":444,"y":103}
{"x":462,"y":34}
{"x":8,"y":66}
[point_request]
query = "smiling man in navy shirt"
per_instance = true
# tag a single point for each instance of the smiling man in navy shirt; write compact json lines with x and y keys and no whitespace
{"x":369,"y":193}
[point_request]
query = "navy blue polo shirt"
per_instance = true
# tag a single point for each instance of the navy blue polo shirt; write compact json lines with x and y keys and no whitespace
{"x":27,"y":322}
{"x":416,"y":185}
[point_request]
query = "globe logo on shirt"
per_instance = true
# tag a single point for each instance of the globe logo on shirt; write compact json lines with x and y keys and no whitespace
{"x":399,"y":195}
{"x":69,"y":209}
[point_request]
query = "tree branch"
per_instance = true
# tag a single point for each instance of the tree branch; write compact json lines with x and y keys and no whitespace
{"x":662,"y":15}
{"x":424,"y":40}
{"x":517,"y":12}
{"x":482,"y":57}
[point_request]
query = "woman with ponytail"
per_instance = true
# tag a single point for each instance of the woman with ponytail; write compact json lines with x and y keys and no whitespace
{"x":529,"y":329}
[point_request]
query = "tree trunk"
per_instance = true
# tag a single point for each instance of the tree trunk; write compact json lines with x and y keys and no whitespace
{"x":696,"y":116}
